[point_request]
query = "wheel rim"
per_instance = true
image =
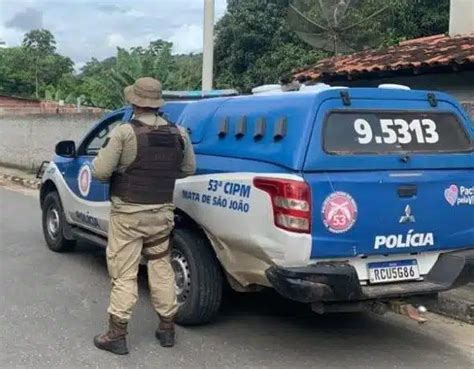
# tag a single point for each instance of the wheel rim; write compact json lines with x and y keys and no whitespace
{"x":182,"y":275}
{"x":52,"y":222}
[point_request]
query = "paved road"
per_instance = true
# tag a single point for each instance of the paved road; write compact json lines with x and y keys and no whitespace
{"x":52,"y":305}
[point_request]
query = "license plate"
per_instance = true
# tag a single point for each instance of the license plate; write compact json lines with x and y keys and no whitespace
{"x":393,"y":271}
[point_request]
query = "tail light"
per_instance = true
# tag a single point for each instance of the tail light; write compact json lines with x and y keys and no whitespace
{"x":290,"y":202}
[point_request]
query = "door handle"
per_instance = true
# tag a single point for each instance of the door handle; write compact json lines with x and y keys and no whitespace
{"x":407,"y":191}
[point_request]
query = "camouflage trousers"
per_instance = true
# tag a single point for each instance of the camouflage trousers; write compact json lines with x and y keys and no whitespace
{"x":131,"y":236}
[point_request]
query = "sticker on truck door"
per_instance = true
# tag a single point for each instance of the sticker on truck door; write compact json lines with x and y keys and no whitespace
{"x":459,"y":195}
{"x":339,"y":212}
{"x":84,"y":180}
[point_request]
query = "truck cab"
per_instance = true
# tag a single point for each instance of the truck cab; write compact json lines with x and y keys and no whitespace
{"x":341,"y":198}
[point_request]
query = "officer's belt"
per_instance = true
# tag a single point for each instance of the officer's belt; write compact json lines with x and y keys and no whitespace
{"x":154,"y":243}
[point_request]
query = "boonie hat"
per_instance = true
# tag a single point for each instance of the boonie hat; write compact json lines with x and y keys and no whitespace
{"x":146,"y":92}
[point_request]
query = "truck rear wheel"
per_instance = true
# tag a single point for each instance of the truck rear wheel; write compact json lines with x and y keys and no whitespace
{"x":53,"y":221}
{"x":198,"y":278}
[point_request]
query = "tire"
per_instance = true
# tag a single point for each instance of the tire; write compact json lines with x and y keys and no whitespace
{"x":53,"y":221}
{"x":198,"y":278}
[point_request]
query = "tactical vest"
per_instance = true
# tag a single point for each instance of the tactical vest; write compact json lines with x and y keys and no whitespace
{"x":150,"y":179}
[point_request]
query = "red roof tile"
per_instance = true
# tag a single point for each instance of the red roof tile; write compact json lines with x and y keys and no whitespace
{"x":432,"y":51}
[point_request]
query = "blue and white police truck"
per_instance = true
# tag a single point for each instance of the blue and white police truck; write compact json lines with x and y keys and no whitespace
{"x":341,"y":198}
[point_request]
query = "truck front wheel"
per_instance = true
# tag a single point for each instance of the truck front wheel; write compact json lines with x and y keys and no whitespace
{"x":198,"y":278}
{"x":54,"y":223}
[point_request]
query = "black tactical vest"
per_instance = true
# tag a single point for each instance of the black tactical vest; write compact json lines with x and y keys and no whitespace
{"x":150,"y":179}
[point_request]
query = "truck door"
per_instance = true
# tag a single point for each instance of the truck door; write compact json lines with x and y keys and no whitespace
{"x":90,"y":208}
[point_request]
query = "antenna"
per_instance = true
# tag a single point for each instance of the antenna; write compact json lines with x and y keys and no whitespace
{"x":330,"y":24}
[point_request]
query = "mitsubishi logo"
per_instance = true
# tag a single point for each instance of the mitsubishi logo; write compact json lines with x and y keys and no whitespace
{"x":407,"y":217}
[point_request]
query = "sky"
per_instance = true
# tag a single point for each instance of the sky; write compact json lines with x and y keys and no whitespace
{"x":87,"y":28}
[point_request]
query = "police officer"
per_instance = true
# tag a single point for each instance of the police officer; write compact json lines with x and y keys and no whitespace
{"x":142,"y":160}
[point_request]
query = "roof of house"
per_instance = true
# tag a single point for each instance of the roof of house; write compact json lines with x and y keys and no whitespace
{"x":415,"y":56}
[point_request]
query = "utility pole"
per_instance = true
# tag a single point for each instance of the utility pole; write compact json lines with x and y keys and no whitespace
{"x":208,"y":46}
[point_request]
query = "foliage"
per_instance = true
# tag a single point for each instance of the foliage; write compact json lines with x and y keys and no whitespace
{"x":16,"y":74}
{"x":28,"y":70}
{"x":103,"y":82}
{"x":35,"y":69}
{"x":254,"y":44}
{"x":24,"y":73}
{"x":415,"y":18}
{"x":338,"y":26}
{"x":186,"y":74}
{"x":39,"y":48}
{"x":352,"y":25}
{"x":41,"y":41}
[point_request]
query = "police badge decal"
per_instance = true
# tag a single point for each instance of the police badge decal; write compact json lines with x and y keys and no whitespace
{"x":84,"y":180}
{"x":339,"y":212}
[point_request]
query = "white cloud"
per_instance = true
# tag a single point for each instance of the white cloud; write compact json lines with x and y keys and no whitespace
{"x":115,"y":39}
{"x":135,"y":13}
{"x":187,"y":39}
{"x":94,"y":28}
{"x":78,"y":66}
{"x":12,"y":37}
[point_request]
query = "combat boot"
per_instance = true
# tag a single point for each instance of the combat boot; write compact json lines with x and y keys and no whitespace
{"x":115,"y":339}
{"x":165,"y":332}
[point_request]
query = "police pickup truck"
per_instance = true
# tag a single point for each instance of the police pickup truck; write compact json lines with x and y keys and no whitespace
{"x":342,"y":198}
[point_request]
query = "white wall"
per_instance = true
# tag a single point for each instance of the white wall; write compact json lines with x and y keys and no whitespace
{"x":27,"y":140}
{"x":461,"y":17}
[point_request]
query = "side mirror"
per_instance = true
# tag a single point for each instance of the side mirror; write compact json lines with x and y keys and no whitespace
{"x":66,"y":149}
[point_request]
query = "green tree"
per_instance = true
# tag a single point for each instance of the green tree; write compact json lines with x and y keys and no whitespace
{"x":16,"y":75}
{"x":348,"y":26}
{"x":338,"y":26}
{"x":40,"y":40}
{"x":40,"y":49}
{"x":39,"y":43}
{"x":186,"y":74}
{"x":102,"y":82}
{"x":254,"y":44}
{"x":156,"y":61}
{"x":410,"y":19}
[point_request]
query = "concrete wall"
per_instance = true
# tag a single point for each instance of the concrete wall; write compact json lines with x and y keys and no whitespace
{"x":27,"y":140}
{"x":20,"y":105}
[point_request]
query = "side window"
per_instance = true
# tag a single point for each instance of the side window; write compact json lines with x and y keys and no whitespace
{"x":98,"y":137}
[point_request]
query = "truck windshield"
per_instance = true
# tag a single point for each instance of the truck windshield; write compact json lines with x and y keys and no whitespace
{"x":385,"y":132}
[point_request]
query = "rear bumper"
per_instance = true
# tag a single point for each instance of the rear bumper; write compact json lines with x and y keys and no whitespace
{"x":338,"y":281}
